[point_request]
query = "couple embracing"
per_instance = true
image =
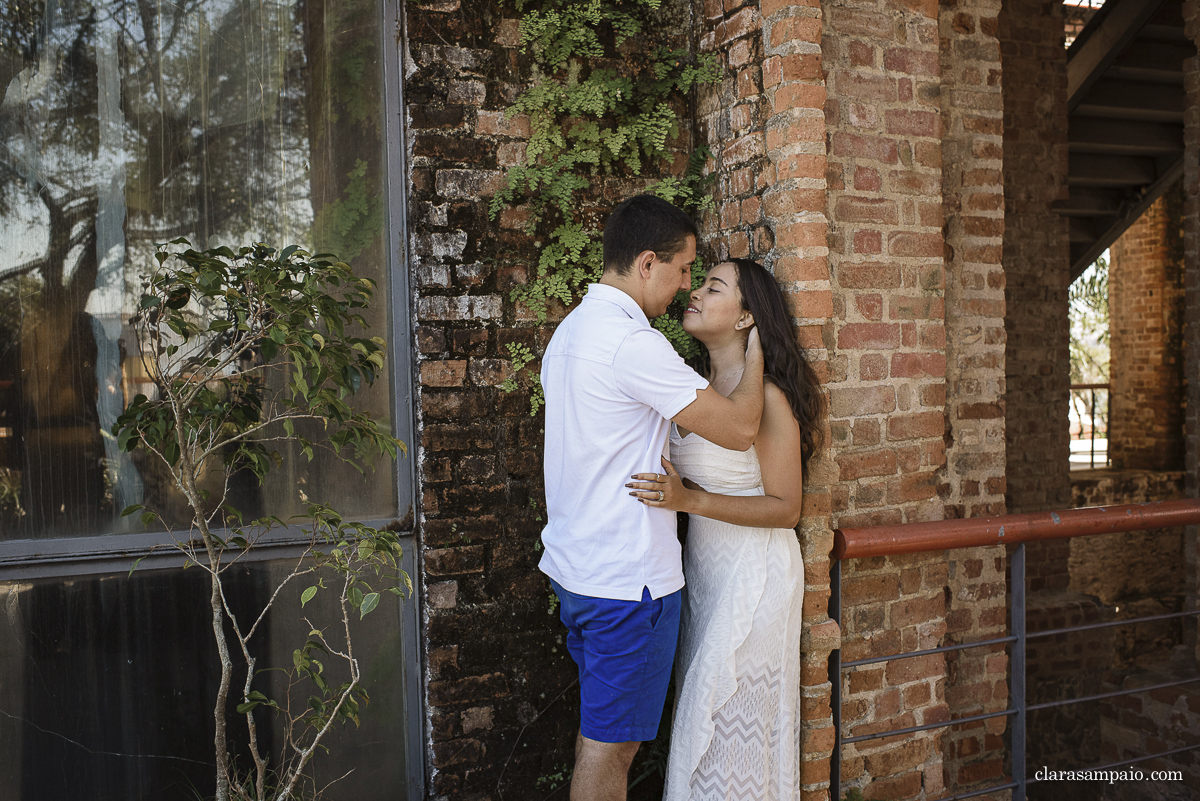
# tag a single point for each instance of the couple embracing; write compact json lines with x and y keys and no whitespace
{"x":739,"y":440}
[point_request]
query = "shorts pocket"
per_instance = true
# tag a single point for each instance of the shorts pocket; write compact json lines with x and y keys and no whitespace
{"x":656,"y":610}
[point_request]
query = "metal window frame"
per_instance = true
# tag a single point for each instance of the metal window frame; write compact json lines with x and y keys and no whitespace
{"x":100,"y":554}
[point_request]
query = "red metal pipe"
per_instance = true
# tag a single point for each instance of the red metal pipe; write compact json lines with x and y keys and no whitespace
{"x":854,"y":543}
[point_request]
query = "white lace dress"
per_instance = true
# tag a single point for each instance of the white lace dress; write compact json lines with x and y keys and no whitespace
{"x":736,"y":732}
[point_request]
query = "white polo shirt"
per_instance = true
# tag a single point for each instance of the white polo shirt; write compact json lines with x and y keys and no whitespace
{"x":612,"y":384}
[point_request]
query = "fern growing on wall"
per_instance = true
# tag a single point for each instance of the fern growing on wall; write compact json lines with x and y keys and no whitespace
{"x":597,"y":109}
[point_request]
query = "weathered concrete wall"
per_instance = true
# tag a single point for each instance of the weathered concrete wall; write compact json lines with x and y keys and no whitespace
{"x":1145,"y":288}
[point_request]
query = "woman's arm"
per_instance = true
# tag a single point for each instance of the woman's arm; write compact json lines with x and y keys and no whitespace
{"x":778,"y":448}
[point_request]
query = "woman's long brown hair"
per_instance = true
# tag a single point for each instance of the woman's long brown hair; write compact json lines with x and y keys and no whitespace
{"x":784,"y":362}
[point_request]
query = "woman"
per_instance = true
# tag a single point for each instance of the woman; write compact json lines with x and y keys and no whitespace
{"x":737,"y":711}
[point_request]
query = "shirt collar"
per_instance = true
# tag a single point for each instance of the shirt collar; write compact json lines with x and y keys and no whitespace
{"x":611,"y":294}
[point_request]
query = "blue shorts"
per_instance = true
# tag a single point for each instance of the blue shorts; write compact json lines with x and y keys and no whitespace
{"x":624,"y":650}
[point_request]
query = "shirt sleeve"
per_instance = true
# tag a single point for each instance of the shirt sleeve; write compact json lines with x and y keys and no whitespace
{"x":649,"y":370}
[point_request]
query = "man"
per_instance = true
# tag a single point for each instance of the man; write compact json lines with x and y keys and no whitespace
{"x":613,"y":384}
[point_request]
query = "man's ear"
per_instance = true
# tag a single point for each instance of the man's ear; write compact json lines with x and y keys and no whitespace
{"x":641,"y":265}
{"x":745,"y":322}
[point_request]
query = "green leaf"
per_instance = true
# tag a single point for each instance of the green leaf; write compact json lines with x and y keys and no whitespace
{"x":128,"y":510}
{"x":369,"y":602}
{"x":308,"y":595}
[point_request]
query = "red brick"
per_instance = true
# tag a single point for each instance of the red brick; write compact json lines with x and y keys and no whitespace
{"x":870,"y":307}
{"x":902,"y":671}
{"x":869,"y":335}
{"x":444,"y":373}
{"x":800,"y":165}
{"x":769,"y":7}
{"x":868,"y":243}
{"x":869,"y":275}
{"x":898,"y":787}
{"x":871,"y":367}
{"x":743,"y":149}
{"x":879,"y":210}
{"x":795,"y":29}
{"x":858,"y":589}
{"x":742,"y":23}
{"x":871,"y":147}
{"x":871,"y":87}
{"x":803,"y":129}
{"x":810,"y":304}
{"x":918,"y":365}
{"x":981,"y":411}
{"x":904,"y":243}
{"x":802,"y":67}
{"x":904,"y":122}
{"x":911,"y":62}
{"x":916,"y":426}
{"x":852,"y":466}
{"x":801,"y":235}
{"x":793,"y":268}
{"x":859,"y":401}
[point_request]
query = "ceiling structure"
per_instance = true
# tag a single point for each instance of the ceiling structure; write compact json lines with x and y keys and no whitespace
{"x":1125,"y":100}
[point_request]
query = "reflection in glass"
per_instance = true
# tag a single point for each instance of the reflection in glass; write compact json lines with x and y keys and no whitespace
{"x":128,"y":123}
{"x":113,"y":678}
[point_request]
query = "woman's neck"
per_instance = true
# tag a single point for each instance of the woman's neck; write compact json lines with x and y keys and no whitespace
{"x":726,"y":360}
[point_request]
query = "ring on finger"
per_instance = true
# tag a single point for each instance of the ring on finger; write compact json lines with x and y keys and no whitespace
{"x":661,"y":496}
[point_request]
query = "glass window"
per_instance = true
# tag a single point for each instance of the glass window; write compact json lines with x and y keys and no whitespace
{"x":113,"y":678}
{"x":127,"y":123}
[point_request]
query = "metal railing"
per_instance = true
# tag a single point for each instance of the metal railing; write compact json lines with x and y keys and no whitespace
{"x":1092,"y":413}
{"x":1002,"y":530}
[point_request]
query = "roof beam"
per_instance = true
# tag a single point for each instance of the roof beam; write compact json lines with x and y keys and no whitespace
{"x":1088,"y":202}
{"x":1133,"y":101}
{"x":1109,"y":171}
{"x":1111,"y":30}
{"x":1122,"y":222}
{"x":1123,"y":137}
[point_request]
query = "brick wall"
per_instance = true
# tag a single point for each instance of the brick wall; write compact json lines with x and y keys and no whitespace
{"x":1140,"y":572}
{"x":1145,"y":289}
{"x":1148,"y":723}
{"x":494,"y":654}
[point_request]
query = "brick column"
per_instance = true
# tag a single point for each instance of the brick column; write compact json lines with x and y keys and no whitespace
{"x":1191,"y":283}
{"x":1036,"y":258}
{"x":1145,"y":305}
{"x":766,"y":127}
{"x":973,"y":196}
{"x":1036,"y":271}
{"x":887,"y":372}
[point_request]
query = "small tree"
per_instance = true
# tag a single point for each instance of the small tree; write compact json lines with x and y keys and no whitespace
{"x":241,"y":347}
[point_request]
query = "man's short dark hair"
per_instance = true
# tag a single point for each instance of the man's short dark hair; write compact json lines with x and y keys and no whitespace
{"x":641,"y":223}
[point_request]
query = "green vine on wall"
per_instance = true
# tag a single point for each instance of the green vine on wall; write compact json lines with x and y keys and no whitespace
{"x":595,"y":111}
